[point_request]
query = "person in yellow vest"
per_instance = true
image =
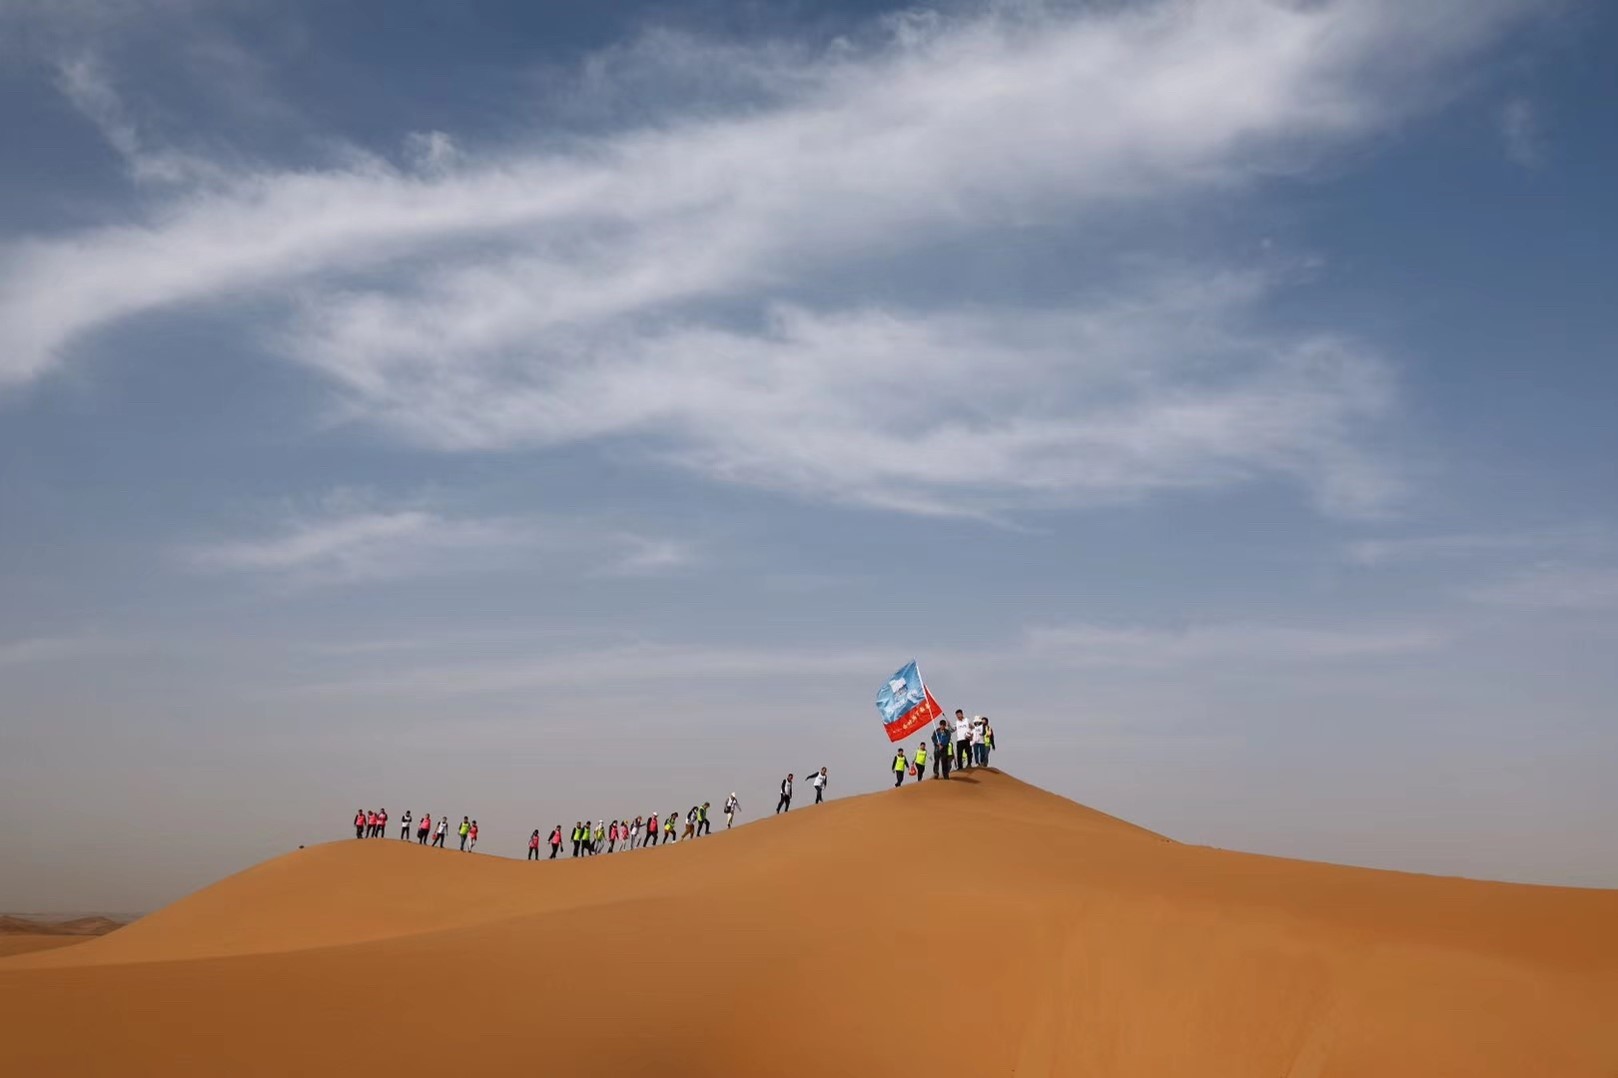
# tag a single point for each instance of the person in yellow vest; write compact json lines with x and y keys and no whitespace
{"x":668,"y":827}
{"x":703,"y":826}
{"x":899,"y":765}
{"x":920,"y":761}
{"x":464,"y":830}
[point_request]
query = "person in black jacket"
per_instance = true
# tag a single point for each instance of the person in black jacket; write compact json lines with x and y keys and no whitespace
{"x":941,"y":748}
{"x":785,"y":804}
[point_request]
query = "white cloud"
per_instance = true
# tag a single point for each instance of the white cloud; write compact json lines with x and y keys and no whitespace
{"x":1272,"y":646}
{"x":1375,"y":552}
{"x":1520,"y":131}
{"x":84,"y":82}
{"x":42,"y":649}
{"x":348,"y":538}
{"x":432,"y":152}
{"x":606,"y":669}
{"x":647,"y":556}
{"x":345,"y":542}
{"x":612,"y":666}
{"x":1554,"y":587}
{"x":550,"y":295}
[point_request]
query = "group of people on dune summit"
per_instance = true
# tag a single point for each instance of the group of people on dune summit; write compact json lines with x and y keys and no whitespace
{"x":589,"y":838}
{"x":374,"y":824}
{"x":955,"y":746}
{"x":958,"y":747}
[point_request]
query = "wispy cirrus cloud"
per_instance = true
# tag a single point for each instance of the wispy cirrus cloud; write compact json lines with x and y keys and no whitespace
{"x":1459,"y":545}
{"x":1554,"y":587}
{"x":347,"y":537}
{"x":1520,"y":133}
{"x":44,"y":649}
{"x":700,"y":289}
{"x":359,"y":545}
{"x":1253,"y":645}
{"x":565,"y":664}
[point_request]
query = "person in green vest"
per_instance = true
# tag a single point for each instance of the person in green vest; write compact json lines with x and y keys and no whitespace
{"x":668,"y":827}
{"x":464,"y":830}
{"x":920,"y":760}
{"x":899,"y":766}
{"x":574,"y":836}
{"x":703,"y":826}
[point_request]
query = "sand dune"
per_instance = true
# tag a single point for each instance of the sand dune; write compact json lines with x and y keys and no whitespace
{"x":21,"y":935}
{"x":980,"y":927}
{"x":12,"y":925}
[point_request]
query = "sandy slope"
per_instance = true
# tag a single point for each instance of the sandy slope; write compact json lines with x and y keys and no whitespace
{"x":969,"y":928}
{"x":24,"y":942}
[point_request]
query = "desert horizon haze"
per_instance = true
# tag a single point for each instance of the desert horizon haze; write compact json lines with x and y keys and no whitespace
{"x":831,"y":940}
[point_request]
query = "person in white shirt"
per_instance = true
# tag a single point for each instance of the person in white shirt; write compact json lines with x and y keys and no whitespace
{"x":963,"y":740}
{"x":821,"y":781}
{"x":980,"y":752}
{"x":404,"y":826}
{"x":732,"y":806}
{"x":785,"y":803}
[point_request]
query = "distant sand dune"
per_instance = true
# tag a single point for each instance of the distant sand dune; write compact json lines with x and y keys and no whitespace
{"x":11,"y":925}
{"x":980,"y":927}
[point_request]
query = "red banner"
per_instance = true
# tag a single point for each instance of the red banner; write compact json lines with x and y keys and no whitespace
{"x":917,"y":718}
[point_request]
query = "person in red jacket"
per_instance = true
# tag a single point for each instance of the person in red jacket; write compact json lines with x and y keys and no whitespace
{"x":359,"y":824}
{"x":556,"y":841}
{"x":425,"y":829}
{"x":651,"y":830}
{"x":381,"y":823}
{"x":472,"y":837}
{"x":533,"y":845}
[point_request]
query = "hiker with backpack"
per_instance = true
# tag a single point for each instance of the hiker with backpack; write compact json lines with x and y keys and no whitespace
{"x":732,"y":806}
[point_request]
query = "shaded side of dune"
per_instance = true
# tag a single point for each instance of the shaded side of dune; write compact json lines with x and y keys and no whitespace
{"x":970,"y":928}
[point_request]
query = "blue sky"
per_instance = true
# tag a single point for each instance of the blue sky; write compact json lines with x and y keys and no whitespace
{"x":544,"y":411}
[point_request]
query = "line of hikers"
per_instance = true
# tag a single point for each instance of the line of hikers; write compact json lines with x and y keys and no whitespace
{"x":958,"y":746}
{"x":374,"y":824}
{"x":966,"y":744}
{"x":590,"y":838}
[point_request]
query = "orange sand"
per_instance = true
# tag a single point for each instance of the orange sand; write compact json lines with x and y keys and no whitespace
{"x":976,"y":927}
{"x":20,"y":935}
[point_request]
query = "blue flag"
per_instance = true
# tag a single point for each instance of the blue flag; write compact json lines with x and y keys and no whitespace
{"x":905,"y":703}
